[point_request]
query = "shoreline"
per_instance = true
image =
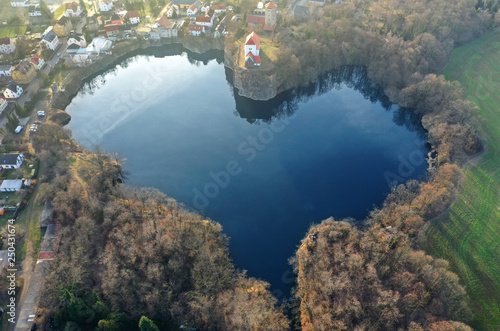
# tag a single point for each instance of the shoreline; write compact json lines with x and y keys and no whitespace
{"x":79,"y":76}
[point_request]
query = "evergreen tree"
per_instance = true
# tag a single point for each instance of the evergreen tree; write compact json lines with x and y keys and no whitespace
{"x":83,"y":7}
{"x":146,"y":324}
{"x":12,"y":122}
{"x":45,"y":10}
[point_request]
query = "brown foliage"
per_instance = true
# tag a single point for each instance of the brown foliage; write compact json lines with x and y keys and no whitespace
{"x":350,"y":280}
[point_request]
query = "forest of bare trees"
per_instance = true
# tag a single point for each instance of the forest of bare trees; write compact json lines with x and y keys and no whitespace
{"x":134,"y":259}
{"x":377,"y":279}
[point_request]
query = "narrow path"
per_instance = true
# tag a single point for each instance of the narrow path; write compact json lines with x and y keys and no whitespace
{"x":27,"y":263}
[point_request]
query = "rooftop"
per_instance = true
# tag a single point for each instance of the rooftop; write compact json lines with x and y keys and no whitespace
{"x":5,"y":41}
{"x":13,"y":87}
{"x":256,"y":19}
{"x":9,"y":158}
{"x":24,"y":66}
{"x":63,"y":20}
{"x":50,"y":36}
{"x":253,"y":39}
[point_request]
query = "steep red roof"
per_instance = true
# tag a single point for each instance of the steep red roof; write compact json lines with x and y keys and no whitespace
{"x":255,"y":59}
{"x":204,"y":19}
{"x":163,"y":21}
{"x":219,"y":7}
{"x":111,"y":28}
{"x":36,"y":59}
{"x":194,"y":27}
{"x":271,"y":5}
{"x":256,"y":19}
{"x":253,"y":39}
{"x":72,"y":5}
{"x":46,"y":256}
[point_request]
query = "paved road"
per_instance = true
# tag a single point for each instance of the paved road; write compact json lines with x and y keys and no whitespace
{"x":30,"y":304}
{"x":27,"y":308}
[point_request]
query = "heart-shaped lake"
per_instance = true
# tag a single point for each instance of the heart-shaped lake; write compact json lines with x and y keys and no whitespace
{"x":264,"y":170}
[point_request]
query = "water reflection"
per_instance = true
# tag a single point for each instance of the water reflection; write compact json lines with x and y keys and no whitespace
{"x":284,"y":104}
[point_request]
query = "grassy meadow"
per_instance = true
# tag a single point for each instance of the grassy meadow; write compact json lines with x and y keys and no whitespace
{"x":469,"y":234}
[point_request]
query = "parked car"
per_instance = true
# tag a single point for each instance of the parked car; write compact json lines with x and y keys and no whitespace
{"x":41,"y":113}
{"x":18,"y":129}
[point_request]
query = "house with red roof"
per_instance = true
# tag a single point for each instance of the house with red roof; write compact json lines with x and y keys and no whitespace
{"x":196,"y":30}
{"x":112,"y":29}
{"x":72,"y":9}
{"x":205,"y":21}
{"x":252,"y":50}
{"x":7,"y":45}
{"x":219,"y":8}
{"x":271,"y":16}
{"x":38,"y":61}
{"x":194,"y":8}
{"x":163,"y":21}
{"x":264,"y":16}
{"x":133,"y":17}
{"x":170,"y":10}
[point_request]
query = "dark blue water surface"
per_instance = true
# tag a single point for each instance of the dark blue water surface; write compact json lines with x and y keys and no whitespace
{"x":265,"y":170}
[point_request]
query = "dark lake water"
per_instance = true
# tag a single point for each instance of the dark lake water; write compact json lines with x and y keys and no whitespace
{"x":265,"y":170}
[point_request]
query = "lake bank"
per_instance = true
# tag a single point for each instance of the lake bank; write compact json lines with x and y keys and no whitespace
{"x":263,"y":169}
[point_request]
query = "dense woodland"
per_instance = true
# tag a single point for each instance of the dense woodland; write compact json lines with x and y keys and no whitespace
{"x":134,"y":259}
{"x":377,"y":279}
{"x":127,"y":255}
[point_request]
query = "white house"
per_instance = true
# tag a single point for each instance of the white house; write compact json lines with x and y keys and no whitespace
{"x":38,"y":61}
{"x":171,"y":10}
{"x":13,"y":91}
{"x":72,"y":9}
{"x":163,"y":21}
{"x":20,"y":3}
{"x":196,"y":30}
{"x":154,"y":34}
{"x":34,"y":10}
{"x":3,"y":103}
{"x":204,"y":21}
{"x":78,"y":39}
{"x":194,"y":8}
{"x":205,"y":8}
{"x":11,"y":160}
{"x":81,"y":56}
{"x":219,"y":9}
{"x":7,"y":45}
{"x":133,"y":17}
{"x":99,"y":45}
{"x":165,"y":32}
{"x":11,"y":185}
{"x":50,"y":41}
{"x":252,"y":49}
{"x":6,"y":70}
{"x":106,"y":5}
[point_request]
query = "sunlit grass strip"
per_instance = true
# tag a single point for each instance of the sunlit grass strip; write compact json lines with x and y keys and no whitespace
{"x":469,"y":235}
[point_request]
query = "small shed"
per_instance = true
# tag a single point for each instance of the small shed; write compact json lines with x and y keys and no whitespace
{"x":11,"y":185}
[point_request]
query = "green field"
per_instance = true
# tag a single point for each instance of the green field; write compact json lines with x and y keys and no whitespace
{"x":469,"y":234}
{"x":11,"y":31}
